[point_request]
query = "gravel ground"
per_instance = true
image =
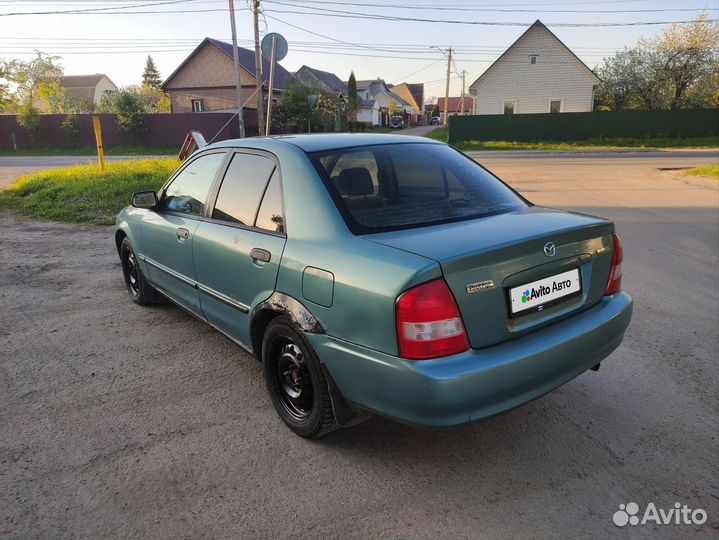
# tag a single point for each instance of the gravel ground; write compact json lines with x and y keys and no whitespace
{"x":123,"y":421}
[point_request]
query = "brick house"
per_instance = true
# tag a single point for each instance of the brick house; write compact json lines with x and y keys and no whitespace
{"x":205,"y":80}
{"x":455,"y":105}
{"x":536,"y":74}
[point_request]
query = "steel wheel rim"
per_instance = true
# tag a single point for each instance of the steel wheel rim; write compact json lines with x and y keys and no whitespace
{"x":133,"y":276}
{"x":292,"y":378}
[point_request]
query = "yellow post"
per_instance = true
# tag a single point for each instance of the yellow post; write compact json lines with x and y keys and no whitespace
{"x":98,"y":140}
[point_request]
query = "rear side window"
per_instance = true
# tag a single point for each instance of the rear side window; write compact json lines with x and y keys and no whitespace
{"x":187,"y":193}
{"x":397,"y":186}
{"x":270,"y":216}
{"x":242,"y":189}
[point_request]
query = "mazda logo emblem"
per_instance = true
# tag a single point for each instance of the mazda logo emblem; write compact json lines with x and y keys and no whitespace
{"x":549,"y":249}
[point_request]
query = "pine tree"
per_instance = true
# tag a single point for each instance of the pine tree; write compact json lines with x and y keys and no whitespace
{"x":151,"y":76}
{"x":352,"y":100}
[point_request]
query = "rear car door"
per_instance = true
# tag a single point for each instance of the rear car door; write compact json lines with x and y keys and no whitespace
{"x":168,"y":232}
{"x":237,"y":249}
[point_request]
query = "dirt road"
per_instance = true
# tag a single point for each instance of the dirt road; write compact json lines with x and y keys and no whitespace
{"x":123,"y":421}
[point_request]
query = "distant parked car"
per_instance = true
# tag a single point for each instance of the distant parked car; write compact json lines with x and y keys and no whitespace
{"x":378,"y":273}
{"x":435,"y":121}
{"x":396,"y":122}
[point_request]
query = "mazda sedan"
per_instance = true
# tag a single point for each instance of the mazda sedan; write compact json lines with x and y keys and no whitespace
{"x":378,"y":274}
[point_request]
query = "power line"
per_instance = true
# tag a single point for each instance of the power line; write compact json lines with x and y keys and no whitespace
{"x":356,"y":15}
{"x":97,"y":11}
{"x":478,"y":9}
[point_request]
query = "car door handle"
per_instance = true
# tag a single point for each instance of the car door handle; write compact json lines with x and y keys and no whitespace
{"x":258,"y":254}
{"x":182,"y":234}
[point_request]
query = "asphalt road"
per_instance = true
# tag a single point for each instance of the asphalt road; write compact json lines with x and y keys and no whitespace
{"x":123,"y":421}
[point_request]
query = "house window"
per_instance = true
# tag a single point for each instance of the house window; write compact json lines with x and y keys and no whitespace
{"x":532,"y":58}
{"x":198,"y":105}
{"x":555,"y":106}
{"x":509,"y":106}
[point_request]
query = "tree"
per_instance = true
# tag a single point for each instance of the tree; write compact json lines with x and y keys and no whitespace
{"x":151,"y":76}
{"x":687,"y":56}
{"x":28,"y":76}
{"x":298,"y":107}
{"x":679,"y":68}
{"x":352,"y":99}
{"x":329,"y":107}
{"x":435,"y":110}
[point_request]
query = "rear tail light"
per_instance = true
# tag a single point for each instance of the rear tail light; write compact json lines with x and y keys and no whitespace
{"x":428,"y":322}
{"x":614,"y":285}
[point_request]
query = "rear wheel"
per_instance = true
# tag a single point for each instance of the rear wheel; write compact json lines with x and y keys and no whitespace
{"x":138,"y":288}
{"x":295,"y":381}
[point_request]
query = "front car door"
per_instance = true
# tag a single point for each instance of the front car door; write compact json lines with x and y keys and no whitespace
{"x":168,"y":232}
{"x":237,"y":249}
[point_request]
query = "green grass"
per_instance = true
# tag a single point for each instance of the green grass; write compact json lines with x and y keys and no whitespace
{"x":92,"y":151}
{"x":82,"y":194}
{"x":438,"y":134}
{"x":616,"y":143}
{"x":708,"y":170}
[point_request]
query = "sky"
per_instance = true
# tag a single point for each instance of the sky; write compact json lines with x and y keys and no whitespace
{"x":332,"y":35}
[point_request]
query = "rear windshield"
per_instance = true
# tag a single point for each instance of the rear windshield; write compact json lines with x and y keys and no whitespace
{"x":399,"y":186}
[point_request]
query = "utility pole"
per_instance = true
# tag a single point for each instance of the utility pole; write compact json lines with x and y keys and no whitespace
{"x":464,"y":72}
{"x":446,"y":88}
{"x":238,"y":82}
{"x":258,"y":69}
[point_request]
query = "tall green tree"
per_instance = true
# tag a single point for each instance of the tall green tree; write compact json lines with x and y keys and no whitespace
{"x":151,"y":75}
{"x":352,"y":99}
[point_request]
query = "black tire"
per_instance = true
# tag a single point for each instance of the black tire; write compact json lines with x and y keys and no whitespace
{"x":138,"y":288}
{"x":295,"y":380}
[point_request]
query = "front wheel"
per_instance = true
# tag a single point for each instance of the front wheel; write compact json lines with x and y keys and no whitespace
{"x":295,"y":381}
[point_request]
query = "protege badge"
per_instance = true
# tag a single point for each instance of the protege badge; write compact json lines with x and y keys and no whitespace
{"x":480,"y":286}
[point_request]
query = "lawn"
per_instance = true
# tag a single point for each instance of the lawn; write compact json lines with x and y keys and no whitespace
{"x":616,"y":143}
{"x":92,"y":151}
{"x":708,"y":170}
{"x":82,"y":194}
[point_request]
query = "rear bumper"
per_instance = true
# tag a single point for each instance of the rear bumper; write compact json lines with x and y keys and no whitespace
{"x":478,"y":383}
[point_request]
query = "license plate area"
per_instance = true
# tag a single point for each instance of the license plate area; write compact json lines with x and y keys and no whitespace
{"x":542,"y":293}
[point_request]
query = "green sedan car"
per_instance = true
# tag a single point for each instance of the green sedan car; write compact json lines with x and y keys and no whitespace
{"x":378,"y":274}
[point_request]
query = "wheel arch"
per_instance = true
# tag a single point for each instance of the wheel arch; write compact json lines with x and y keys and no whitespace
{"x":277,"y":305}
{"x":120,"y":235}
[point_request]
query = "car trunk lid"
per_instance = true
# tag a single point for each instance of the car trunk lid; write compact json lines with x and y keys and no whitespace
{"x":484,"y":259}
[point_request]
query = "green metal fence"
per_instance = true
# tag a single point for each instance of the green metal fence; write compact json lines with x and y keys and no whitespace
{"x":582,"y":126}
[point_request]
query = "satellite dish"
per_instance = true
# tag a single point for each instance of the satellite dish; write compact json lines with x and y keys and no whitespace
{"x":280,"y":46}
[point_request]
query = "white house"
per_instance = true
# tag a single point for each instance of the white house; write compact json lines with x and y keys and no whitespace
{"x":537,"y":74}
{"x":88,"y":88}
{"x":377,"y":102}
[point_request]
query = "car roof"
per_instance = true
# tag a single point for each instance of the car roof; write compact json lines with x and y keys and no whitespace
{"x":321,"y":141}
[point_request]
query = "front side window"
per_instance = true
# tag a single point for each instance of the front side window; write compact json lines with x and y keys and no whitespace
{"x":555,"y":106}
{"x":187,"y":193}
{"x":242,"y":189}
{"x":198,"y":105}
{"x":509,"y":107}
{"x":401,"y":186}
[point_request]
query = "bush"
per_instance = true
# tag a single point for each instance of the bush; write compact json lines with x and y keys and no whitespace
{"x":29,"y":120}
{"x":71,"y":127}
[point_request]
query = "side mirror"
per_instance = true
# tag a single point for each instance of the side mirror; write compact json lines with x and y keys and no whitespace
{"x":144,"y":199}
